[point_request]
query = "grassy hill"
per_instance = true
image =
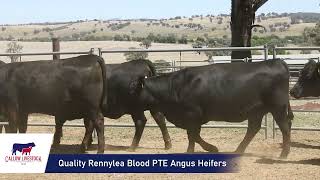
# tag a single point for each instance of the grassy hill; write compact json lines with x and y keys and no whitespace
{"x":135,"y":29}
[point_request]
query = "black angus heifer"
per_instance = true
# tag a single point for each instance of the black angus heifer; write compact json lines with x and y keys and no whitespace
{"x":68,"y":89}
{"x":222,"y":92}
{"x":3,"y":117}
{"x":308,"y":83}
{"x":123,"y":80}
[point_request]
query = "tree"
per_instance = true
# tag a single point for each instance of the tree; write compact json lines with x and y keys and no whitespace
{"x":242,"y":22}
{"x":36,"y":31}
{"x":146,"y":43}
{"x":135,"y":55}
{"x":14,"y":47}
{"x":312,"y":35}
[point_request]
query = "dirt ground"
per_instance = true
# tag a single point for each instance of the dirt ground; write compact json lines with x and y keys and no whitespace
{"x":259,"y":162}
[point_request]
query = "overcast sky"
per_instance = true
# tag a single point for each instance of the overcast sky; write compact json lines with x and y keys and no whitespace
{"x":25,"y":11}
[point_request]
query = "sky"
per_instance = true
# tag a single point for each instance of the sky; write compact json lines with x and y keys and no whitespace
{"x":26,"y":11}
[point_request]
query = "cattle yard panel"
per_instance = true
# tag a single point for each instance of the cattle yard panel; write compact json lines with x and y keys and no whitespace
{"x":175,"y":67}
{"x":91,"y":51}
{"x":274,"y":50}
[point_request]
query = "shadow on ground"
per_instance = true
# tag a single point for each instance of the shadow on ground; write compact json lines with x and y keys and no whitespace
{"x":301,"y":145}
{"x":278,"y":161}
{"x":75,"y":148}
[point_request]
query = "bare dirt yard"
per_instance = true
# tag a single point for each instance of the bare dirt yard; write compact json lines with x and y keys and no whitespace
{"x":259,"y":162}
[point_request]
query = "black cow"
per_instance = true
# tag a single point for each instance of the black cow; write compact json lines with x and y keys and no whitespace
{"x":123,"y":80}
{"x":308,"y":82}
{"x":68,"y":89}
{"x":3,"y":115}
{"x":222,"y":92}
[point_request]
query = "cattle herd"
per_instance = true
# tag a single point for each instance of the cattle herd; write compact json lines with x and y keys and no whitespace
{"x":84,"y":87}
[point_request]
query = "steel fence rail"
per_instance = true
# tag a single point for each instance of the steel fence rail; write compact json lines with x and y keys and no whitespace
{"x":48,"y":53}
{"x":296,"y":48}
{"x":132,"y":125}
{"x":181,"y":50}
{"x":302,"y":128}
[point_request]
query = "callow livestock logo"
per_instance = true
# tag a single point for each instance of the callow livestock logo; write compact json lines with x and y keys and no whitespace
{"x":22,"y":153}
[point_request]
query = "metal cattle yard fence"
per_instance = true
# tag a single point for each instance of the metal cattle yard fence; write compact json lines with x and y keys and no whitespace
{"x":178,"y":64}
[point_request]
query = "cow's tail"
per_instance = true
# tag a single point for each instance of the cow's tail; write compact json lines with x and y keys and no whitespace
{"x":102,"y":64}
{"x":152,"y":68}
{"x":290,"y":113}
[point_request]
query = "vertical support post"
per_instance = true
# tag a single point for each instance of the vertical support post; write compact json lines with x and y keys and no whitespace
{"x":55,"y":48}
{"x":180,"y":60}
{"x":266,"y":125}
{"x":273,"y":129}
{"x":274,"y":52}
{"x":265,"y":52}
{"x":172,"y":65}
{"x":100,"y":52}
{"x":91,"y":51}
{"x":266,"y":116}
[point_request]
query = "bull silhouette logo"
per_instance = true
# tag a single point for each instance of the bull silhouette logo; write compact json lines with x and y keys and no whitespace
{"x":25,"y":149}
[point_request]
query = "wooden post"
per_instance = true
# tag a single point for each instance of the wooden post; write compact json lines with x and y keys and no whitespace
{"x":56,"y":48}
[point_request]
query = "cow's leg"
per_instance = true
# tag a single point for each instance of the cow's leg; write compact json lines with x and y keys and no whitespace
{"x":254,"y":125}
{"x":6,"y":128}
{"x":58,"y":130}
{"x":99,"y":126}
{"x":160,"y":120}
{"x":90,"y":139}
{"x":139,"y":123}
{"x":88,"y":123}
{"x":23,"y":122}
{"x":194,"y":136}
{"x":192,"y":140}
{"x":13,"y":120}
{"x":281,"y":119}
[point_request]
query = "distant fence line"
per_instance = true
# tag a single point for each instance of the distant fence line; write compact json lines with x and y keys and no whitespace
{"x":265,"y":54}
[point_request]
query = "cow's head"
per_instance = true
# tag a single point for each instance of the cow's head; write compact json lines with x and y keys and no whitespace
{"x":31,"y":144}
{"x":309,"y":81}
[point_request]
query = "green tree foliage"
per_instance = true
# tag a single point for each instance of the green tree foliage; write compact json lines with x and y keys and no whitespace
{"x":146,"y":43}
{"x":212,"y":43}
{"x":270,"y":41}
{"x":135,"y":55}
{"x":312,"y":35}
{"x":14,"y":47}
